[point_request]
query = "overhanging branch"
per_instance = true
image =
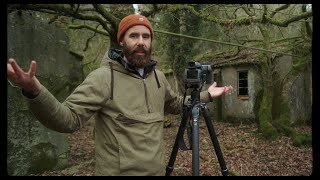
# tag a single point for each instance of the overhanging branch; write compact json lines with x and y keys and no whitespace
{"x":221,"y":42}
{"x":285,"y":6}
{"x":240,"y":21}
{"x":62,"y":10}
{"x":112,"y":20}
{"x":286,"y":22}
{"x":88,"y":27}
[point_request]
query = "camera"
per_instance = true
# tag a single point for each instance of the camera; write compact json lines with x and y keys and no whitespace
{"x":196,"y":74}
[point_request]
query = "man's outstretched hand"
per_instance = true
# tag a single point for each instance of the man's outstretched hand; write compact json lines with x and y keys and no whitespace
{"x":27,"y":81}
{"x":218,"y":91}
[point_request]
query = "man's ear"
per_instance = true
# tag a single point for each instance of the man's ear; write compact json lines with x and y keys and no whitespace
{"x":121,"y":43}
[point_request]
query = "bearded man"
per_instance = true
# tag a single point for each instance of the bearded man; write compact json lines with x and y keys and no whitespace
{"x":129,"y":97}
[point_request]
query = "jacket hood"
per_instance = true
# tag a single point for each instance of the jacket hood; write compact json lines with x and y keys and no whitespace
{"x":117,"y":55}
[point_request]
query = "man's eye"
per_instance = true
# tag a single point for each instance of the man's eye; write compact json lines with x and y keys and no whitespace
{"x":146,"y":36}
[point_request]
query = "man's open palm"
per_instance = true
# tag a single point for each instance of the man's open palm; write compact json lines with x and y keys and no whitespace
{"x":25,"y":80}
{"x":218,"y":91}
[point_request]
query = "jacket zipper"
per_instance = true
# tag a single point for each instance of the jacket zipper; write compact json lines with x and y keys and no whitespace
{"x":146,"y":94}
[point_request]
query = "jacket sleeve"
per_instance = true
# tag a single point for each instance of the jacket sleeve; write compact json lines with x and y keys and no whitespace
{"x":173,"y":103}
{"x":78,"y":107}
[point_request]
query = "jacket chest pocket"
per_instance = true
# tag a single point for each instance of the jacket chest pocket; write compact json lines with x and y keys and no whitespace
{"x":139,"y":119}
{"x":140,"y":139}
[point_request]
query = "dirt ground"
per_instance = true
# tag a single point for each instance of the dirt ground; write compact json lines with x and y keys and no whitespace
{"x":243,"y":151}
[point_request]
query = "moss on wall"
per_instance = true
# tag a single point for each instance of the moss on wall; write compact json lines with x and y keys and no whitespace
{"x":284,"y":125}
{"x":31,"y":147}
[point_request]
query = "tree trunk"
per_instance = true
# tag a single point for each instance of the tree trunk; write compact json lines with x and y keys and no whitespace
{"x":265,"y":113}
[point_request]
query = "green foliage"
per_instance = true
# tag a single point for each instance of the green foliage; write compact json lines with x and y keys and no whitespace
{"x":167,"y":71}
{"x":173,"y":43}
{"x":234,"y":173}
{"x":62,"y":161}
{"x":120,"y":10}
{"x":299,"y":140}
{"x":171,"y":119}
{"x":304,"y":49}
{"x":267,"y":130}
{"x":43,"y":157}
{"x":283,"y":121}
{"x":179,"y":50}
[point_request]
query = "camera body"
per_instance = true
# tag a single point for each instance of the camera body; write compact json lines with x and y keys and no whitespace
{"x":196,"y":74}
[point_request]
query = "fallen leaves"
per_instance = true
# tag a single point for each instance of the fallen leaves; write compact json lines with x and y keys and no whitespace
{"x":244,"y":153}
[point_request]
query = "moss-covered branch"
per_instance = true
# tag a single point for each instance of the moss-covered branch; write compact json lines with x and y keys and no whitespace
{"x":90,"y":28}
{"x":286,"y":22}
{"x":286,"y":39}
{"x":61,"y":10}
{"x":307,"y":24}
{"x":153,"y":10}
{"x":247,"y":10}
{"x":221,"y":42}
{"x":283,"y":7}
{"x":108,"y":16}
{"x":264,"y":18}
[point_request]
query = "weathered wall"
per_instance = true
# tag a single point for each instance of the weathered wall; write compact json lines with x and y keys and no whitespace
{"x":31,"y":147}
{"x":297,"y":91}
{"x":299,"y":108}
{"x":233,"y":108}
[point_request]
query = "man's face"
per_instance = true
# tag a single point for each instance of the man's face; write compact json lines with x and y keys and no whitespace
{"x":136,"y":45}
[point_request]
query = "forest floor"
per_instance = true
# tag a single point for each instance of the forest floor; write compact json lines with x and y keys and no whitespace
{"x":244,"y":153}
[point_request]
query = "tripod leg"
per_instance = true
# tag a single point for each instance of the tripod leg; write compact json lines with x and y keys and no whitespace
{"x":195,"y":140}
{"x":175,"y":148}
{"x":214,"y":139}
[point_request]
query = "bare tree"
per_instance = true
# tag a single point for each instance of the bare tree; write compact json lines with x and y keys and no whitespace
{"x":107,"y":16}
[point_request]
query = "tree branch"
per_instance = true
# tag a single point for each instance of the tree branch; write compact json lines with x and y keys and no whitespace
{"x":247,"y":10}
{"x":88,"y":27}
{"x":62,"y":10}
{"x":150,"y":12}
{"x":53,"y":19}
{"x":279,"y":9}
{"x":285,"y":23}
{"x":221,"y":42}
{"x":307,"y":24}
{"x":88,"y":40}
{"x":111,"y":19}
{"x":243,"y":20}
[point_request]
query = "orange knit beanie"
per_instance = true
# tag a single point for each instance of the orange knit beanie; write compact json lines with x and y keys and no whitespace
{"x":132,"y":20}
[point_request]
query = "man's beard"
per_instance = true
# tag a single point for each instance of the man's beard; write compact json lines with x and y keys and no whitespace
{"x":138,"y":61}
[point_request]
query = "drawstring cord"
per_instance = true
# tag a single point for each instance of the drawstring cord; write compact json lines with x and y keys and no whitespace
{"x":157,"y":78}
{"x":112,"y":81}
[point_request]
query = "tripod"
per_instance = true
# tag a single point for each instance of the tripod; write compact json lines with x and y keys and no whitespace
{"x":192,"y":111}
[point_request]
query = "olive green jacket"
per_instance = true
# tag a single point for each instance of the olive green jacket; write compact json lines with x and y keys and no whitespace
{"x":129,"y":117}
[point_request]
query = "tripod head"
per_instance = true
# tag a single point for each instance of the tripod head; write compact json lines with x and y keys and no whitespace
{"x":195,"y":76}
